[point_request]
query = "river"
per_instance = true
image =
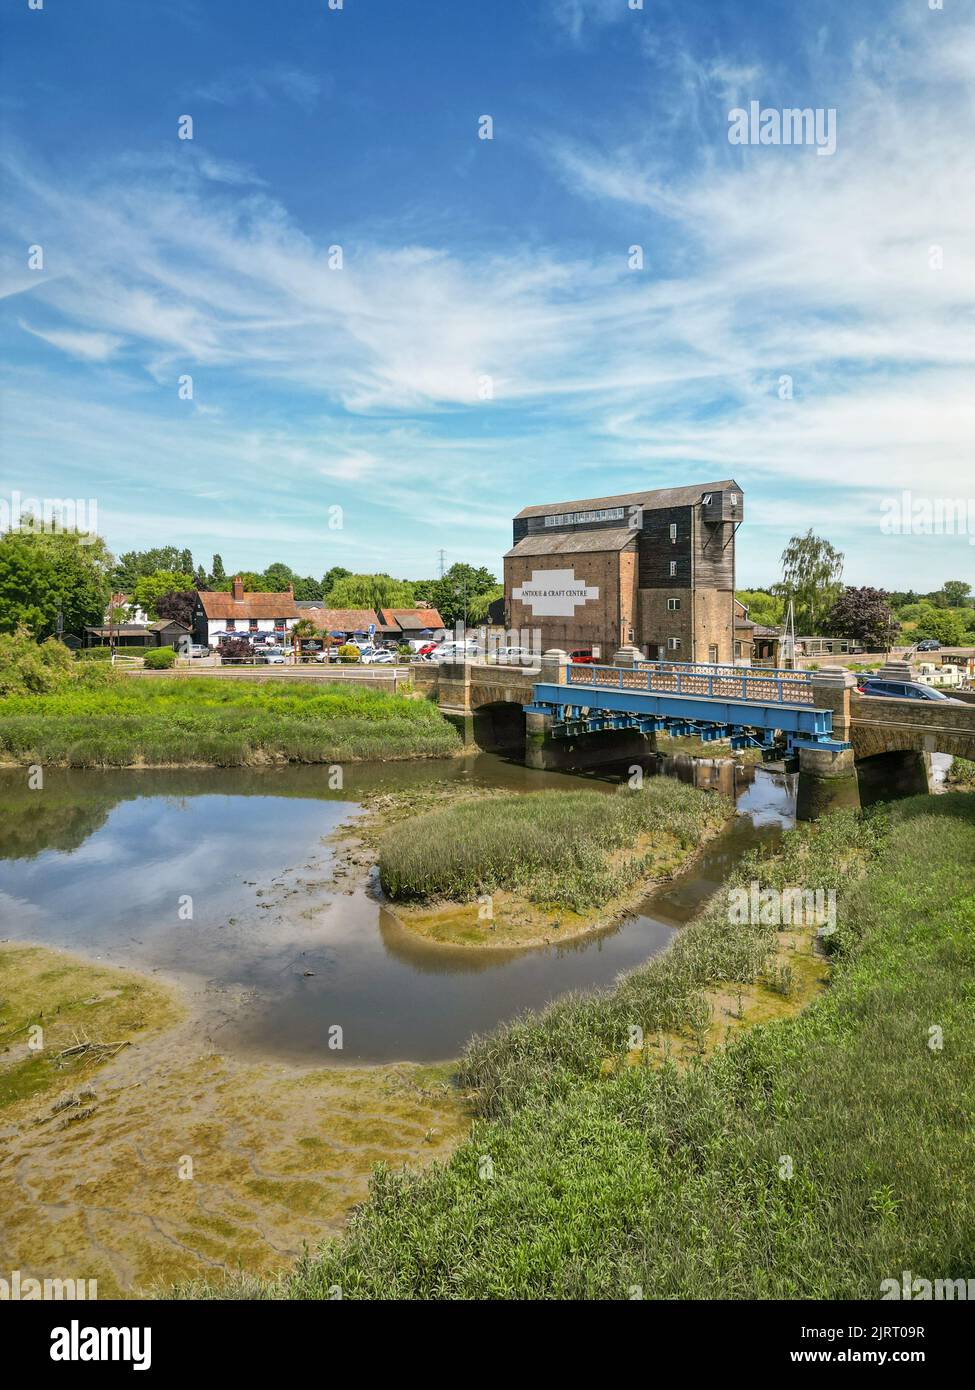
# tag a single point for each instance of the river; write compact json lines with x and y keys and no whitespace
{"x":223,"y":880}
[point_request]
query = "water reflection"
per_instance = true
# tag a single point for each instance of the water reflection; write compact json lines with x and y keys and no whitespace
{"x":275,"y":952}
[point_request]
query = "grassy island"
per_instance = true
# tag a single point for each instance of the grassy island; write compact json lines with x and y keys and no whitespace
{"x":517,"y":869}
{"x":132,"y":721}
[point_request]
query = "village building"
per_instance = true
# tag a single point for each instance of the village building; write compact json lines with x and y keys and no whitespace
{"x":165,"y":632}
{"x":218,"y":612}
{"x":652,"y":569}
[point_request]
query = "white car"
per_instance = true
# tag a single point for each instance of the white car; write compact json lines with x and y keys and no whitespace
{"x":378,"y":659}
{"x":514,"y":656}
{"x":457,"y":651}
{"x":275,"y":656}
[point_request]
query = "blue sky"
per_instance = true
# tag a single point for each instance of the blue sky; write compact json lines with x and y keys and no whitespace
{"x":485,"y":343}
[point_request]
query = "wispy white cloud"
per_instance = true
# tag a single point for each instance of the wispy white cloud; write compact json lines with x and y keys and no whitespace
{"x":91,"y":347}
{"x":263,"y":86}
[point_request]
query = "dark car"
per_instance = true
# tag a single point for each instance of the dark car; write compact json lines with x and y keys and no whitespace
{"x":929,"y":645}
{"x":904,"y":690}
{"x":585,"y":655}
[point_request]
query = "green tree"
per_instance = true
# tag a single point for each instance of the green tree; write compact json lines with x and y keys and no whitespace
{"x":369,"y":591}
{"x":477,"y":608}
{"x":151,"y":587}
{"x":811,"y":575}
{"x":764,"y":607}
{"x":276,"y":578}
{"x":217,"y":574}
{"x":957,"y":592}
{"x":332,"y":576}
{"x":307,"y":588}
{"x":454,"y":594}
{"x":138,"y":564}
{"x":945,"y":625}
{"x":44,"y":574}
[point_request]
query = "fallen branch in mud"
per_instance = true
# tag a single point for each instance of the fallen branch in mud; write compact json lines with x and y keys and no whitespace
{"x":98,"y":1051}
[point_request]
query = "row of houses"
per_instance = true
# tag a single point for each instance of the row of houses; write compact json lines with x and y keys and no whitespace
{"x":243,"y":612}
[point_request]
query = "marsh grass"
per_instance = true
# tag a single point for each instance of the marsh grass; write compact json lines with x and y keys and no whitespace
{"x":576,"y":849}
{"x":227,"y":723}
{"x":674,"y":1180}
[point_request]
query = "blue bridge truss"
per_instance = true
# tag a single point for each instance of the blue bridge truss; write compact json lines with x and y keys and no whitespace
{"x":746,"y":705}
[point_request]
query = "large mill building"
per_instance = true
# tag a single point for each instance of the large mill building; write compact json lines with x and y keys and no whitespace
{"x":655,"y":569}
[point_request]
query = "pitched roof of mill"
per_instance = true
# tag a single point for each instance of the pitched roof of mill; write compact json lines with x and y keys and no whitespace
{"x":649,"y":497}
{"x":573,"y":542}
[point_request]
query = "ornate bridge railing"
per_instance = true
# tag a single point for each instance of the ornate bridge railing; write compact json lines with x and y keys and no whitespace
{"x":711,"y":682}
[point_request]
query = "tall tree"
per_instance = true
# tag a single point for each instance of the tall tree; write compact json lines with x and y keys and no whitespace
{"x":217,"y":574}
{"x":369,"y":591}
{"x":811,"y":573}
{"x":44,"y":574}
{"x":764,"y":608}
{"x":332,"y":576}
{"x":147,"y":591}
{"x":863,"y":615}
{"x":277,"y":577}
{"x":957,"y":592}
{"x":137,"y":564}
{"x":178,"y":605}
{"x":453,"y":595}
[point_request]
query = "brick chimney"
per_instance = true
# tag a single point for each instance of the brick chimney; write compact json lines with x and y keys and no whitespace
{"x":237,"y":588}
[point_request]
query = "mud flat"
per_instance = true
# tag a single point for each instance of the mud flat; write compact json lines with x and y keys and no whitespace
{"x":165,"y":1160}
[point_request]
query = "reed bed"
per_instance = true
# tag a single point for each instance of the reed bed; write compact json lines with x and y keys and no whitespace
{"x":557,"y":847}
{"x":226,"y":723}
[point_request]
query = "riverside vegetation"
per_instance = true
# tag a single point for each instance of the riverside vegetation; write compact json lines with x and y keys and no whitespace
{"x":99,"y":719}
{"x":523,"y":867}
{"x":808,"y":1158}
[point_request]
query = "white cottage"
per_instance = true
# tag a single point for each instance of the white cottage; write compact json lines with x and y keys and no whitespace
{"x":239,"y":612}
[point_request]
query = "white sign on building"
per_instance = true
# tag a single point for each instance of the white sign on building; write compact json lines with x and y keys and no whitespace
{"x":554,"y":593}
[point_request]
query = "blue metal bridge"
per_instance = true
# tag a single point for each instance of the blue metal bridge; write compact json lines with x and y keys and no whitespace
{"x":743,"y":704}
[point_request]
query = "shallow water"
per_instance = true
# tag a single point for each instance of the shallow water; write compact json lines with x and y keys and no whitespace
{"x":222,"y":879}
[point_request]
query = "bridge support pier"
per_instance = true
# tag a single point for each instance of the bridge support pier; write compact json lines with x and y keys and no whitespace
{"x":827,"y":780}
{"x":828,"y":777}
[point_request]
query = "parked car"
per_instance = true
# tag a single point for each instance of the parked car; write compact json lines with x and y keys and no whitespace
{"x":199,"y":649}
{"x":929,"y":645}
{"x":275,"y":656}
{"x":904,"y":690}
{"x":457,"y":651}
{"x":514,"y":656}
{"x":378,"y":658}
{"x":584,"y":655}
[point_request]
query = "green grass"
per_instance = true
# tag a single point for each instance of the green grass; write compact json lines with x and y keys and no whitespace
{"x":674,"y":1180}
{"x":555,"y":846}
{"x":228,"y":723}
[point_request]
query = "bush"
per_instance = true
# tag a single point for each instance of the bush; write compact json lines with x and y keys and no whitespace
{"x":349,"y":652}
{"x":95,"y":654}
{"x":160,"y":659}
{"x":27,"y":667}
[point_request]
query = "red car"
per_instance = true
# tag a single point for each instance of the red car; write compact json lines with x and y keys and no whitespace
{"x":582,"y":656}
{"x":427,"y":649}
